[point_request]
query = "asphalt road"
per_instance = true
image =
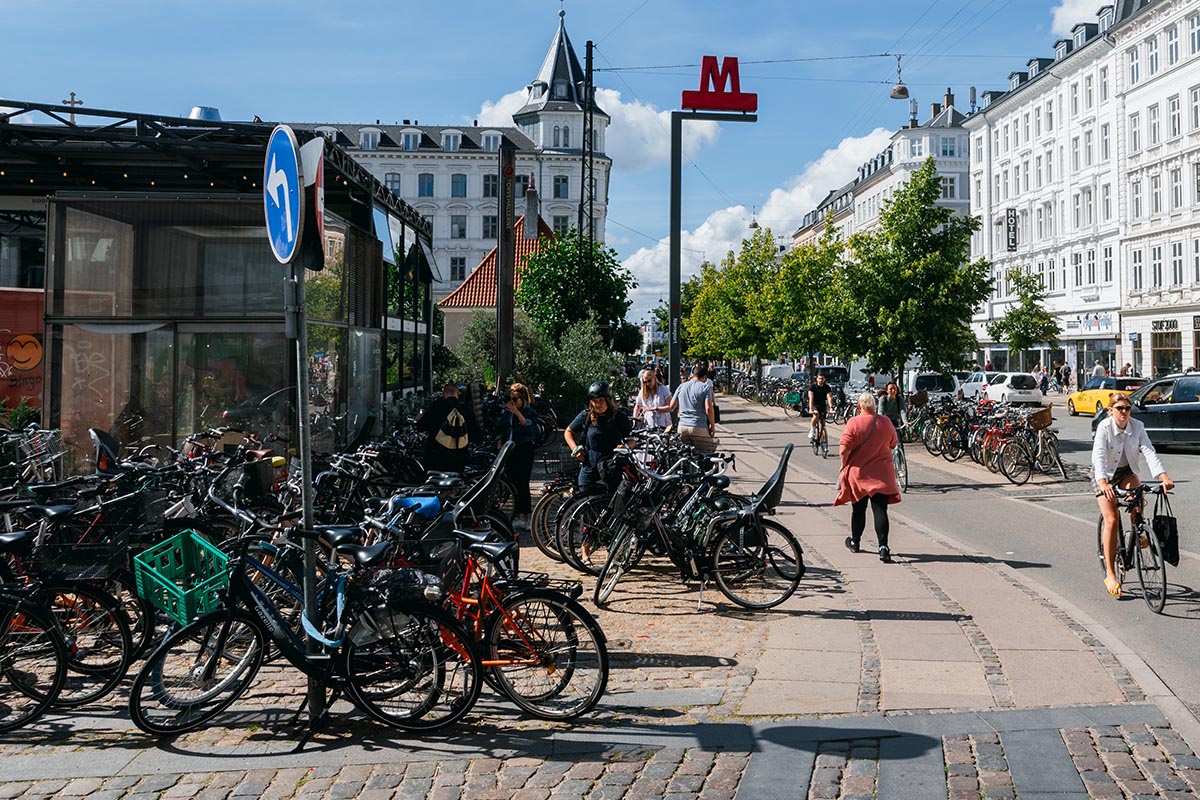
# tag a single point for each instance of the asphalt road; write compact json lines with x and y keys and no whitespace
{"x":1045,"y":529}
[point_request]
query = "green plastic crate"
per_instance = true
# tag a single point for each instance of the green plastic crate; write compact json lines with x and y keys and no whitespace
{"x":181,"y":575}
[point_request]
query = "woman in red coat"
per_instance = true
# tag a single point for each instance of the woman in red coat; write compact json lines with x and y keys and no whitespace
{"x":868,"y":473}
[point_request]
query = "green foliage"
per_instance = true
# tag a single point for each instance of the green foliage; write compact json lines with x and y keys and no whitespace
{"x":721,"y":323}
{"x":908,"y":289}
{"x":20,"y":415}
{"x":627,"y":339}
{"x":323,"y":291}
{"x":533,"y":356}
{"x":582,"y":359}
{"x":689,"y":290}
{"x":557,"y":290}
{"x":1028,"y":322}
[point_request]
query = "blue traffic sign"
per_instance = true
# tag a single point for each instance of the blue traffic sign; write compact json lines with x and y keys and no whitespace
{"x":283,"y":195}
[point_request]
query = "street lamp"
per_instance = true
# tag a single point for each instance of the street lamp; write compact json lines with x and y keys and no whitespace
{"x":753,"y":218}
{"x":899,"y":91}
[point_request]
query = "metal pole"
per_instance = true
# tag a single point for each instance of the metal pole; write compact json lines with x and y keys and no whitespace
{"x":675,"y":269}
{"x":505,"y":265}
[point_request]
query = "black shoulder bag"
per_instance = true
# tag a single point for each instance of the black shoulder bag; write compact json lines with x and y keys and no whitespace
{"x":1166,"y":529}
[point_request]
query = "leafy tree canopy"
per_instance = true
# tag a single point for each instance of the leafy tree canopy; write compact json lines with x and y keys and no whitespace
{"x":1027,"y":322}
{"x":721,"y":324}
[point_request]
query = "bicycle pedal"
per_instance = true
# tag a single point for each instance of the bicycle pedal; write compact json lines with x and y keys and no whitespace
{"x":319,"y":658}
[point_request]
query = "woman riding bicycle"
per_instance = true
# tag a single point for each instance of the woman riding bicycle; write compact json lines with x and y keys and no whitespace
{"x":1119,"y":444}
{"x":596,"y":431}
{"x":891,"y":406}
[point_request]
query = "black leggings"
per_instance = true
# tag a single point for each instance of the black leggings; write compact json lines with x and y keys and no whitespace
{"x":518,"y":470}
{"x":858,"y":518}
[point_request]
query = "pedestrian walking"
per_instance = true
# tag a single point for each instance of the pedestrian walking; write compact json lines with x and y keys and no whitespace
{"x":1127,"y":370}
{"x":868,"y":474}
{"x":596,"y":432}
{"x":1064,"y":377}
{"x":653,"y":403}
{"x":519,"y":425}
{"x":449,"y":428}
{"x":1039,"y":377}
{"x":1098,"y":371}
{"x":693,"y":401}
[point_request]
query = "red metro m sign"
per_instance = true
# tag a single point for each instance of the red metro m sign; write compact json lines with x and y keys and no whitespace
{"x":713,"y":96}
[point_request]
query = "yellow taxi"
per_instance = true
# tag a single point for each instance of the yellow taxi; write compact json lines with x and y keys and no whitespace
{"x":1093,"y":396}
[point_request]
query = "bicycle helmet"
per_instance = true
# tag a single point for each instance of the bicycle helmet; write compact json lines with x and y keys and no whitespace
{"x":599,"y":389}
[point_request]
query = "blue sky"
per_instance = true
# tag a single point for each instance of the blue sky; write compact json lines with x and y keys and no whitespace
{"x":447,"y":63}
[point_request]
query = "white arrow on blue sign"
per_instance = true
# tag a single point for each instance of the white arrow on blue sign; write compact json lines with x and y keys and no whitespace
{"x":283,"y":196}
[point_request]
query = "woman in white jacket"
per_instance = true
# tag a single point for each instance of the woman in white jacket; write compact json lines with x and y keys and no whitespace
{"x":1120,"y":443}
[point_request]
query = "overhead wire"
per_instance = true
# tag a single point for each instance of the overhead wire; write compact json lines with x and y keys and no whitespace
{"x":622,"y":22}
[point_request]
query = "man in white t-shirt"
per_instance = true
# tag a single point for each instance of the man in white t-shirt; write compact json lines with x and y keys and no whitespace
{"x":1098,"y":371}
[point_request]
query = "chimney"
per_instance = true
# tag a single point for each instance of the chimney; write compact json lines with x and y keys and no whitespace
{"x":206,"y":113}
{"x":949,"y":99}
{"x":972,"y":96}
{"x":532,"y":211}
{"x":934,"y":110}
{"x":912,"y":112}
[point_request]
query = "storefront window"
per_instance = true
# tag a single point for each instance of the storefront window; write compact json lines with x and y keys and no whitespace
{"x":327,"y":402}
{"x":363,"y":390}
{"x":97,"y":266}
{"x":1136,"y":356}
{"x":1166,"y":352}
{"x":236,"y":379}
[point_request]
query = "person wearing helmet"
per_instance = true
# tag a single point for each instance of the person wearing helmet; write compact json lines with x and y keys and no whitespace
{"x":596,"y":431}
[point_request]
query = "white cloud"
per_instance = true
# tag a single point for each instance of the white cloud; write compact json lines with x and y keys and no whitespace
{"x":1069,"y":13}
{"x":638,"y":137}
{"x":724,"y":230}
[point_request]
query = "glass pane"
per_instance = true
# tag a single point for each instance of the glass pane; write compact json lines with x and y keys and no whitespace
{"x":97,"y":266}
{"x":363,"y":383}
{"x":326,"y":357}
{"x":324,"y":290}
{"x":235,"y":379}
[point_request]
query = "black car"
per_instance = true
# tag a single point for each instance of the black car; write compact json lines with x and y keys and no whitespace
{"x":1169,"y":407}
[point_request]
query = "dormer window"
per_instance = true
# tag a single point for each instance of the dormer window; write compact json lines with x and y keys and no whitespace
{"x":411,"y":141}
{"x":491,"y":142}
{"x":560,"y":90}
{"x":368,"y":140}
{"x":1033,"y":68}
{"x":1061,"y":49}
{"x":1014,"y":81}
{"x":1080,"y":37}
{"x":330,"y":134}
{"x":1106,"y":21}
{"x":451,"y":142}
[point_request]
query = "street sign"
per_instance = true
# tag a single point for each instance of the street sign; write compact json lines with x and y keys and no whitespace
{"x":1010,"y":218}
{"x":283,"y":196}
{"x":712,"y":95}
{"x":1133,"y":336}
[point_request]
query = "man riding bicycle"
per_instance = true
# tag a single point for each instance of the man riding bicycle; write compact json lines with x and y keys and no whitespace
{"x":1120,"y":443}
{"x":818,"y":403}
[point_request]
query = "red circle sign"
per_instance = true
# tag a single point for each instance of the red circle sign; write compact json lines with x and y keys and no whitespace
{"x":508,"y":171}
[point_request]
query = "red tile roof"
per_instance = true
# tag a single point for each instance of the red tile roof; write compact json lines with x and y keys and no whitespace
{"x":479,"y":289}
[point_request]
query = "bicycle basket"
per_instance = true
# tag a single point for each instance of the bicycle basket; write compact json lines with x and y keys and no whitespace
{"x":918,"y":399}
{"x":1041,"y":419}
{"x":181,"y":576}
{"x":95,"y":557}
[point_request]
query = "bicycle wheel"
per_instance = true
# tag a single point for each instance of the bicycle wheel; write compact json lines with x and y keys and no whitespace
{"x":1051,"y":456}
{"x":420,"y":672}
{"x":548,"y":654}
{"x":791,"y":410}
{"x":140,"y":613}
{"x":1016,"y":462}
{"x":824,"y":442}
{"x":1151,"y":570}
{"x":931,"y":436}
{"x":953,"y":443}
{"x":541,"y":521}
{"x":815,"y":439}
{"x":33,"y":662}
{"x":99,"y":644}
{"x":901,"y":463}
{"x":621,"y":556}
{"x":757,"y":563}
{"x":196,"y":673}
{"x":991,"y":454}
{"x":588,"y":538}
{"x":1119,"y":563}
{"x":975,"y":446}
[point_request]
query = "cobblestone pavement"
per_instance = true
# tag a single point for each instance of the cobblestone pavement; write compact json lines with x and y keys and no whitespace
{"x":672,"y":726}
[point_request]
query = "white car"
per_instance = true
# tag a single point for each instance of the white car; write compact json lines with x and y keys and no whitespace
{"x":935,"y":384}
{"x":1014,"y":387}
{"x":975,"y":385}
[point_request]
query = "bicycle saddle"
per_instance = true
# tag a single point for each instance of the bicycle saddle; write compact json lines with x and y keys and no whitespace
{"x":18,"y":543}
{"x":718,"y":481}
{"x":52,"y":512}
{"x":336,"y":536}
{"x":367,"y":556}
{"x":494,"y":551}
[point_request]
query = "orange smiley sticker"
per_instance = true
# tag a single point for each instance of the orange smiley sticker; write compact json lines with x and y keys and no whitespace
{"x":24,"y":352}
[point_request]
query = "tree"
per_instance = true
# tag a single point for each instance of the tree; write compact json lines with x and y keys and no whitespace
{"x":555,"y":292}
{"x":909,"y":286}
{"x":1027,"y":322}
{"x":721,"y":324}
{"x":627,"y":339}
{"x":533,"y":356}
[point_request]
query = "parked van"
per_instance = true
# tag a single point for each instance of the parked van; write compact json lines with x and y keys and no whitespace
{"x":777,"y":370}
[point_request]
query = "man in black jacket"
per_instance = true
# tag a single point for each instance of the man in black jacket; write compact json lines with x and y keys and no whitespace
{"x":448,"y":435}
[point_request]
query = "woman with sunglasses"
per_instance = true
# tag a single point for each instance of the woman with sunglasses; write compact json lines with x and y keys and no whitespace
{"x":1120,"y":443}
{"x":653,"y":403}
{"x":518,"y":424}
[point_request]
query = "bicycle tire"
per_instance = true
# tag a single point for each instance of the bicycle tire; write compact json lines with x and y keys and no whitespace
{"x":954,"y":444}
{"x":541,"y":521}
{"x":1120,"y":560}
{"x":172,"y":694}
{"x":140,"y":613}
{"x":900,"y":460}
{"x":99,"y":645}
{"x":621,"y":557}
{"x":563,"y":517}
{"x":757,"y":569}
{"x":1016,"y":462}
{"x":931,"y":436}
{"x":975,"y":446}
{"x":422,"y":675}
{"x":561,"y":654}
{"x":791,"y":410}
{"x":33,"y":662}
{"x":1151,"y":570}
{"x":588,"y":538}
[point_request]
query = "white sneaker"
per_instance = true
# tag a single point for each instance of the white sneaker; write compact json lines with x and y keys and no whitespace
{"x":520,"y":525}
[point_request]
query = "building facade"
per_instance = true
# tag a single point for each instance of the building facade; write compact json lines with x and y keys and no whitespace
{"x":449,"y":173}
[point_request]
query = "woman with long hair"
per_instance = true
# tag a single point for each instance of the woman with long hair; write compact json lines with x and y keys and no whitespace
{"x":519,"y":425}
{"x":596,"y":431}
{"x":653,"y":403}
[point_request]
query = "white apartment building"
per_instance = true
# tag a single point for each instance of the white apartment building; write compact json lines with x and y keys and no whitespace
{"x":1156,"y":62}
{"x":449,"y":173}
{"x":1093,"y":155}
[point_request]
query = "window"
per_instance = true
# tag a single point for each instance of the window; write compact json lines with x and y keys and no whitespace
{"x":1104,"y":84}
{"x":1137,"y":280}
{"x":1104,"y":151}
{"x":392,"y":181}
{"x":520,"y":184}
{"x":1107,"y":264}
{"x":1091,"y":268}
{"x":948,"y":188}
{"x":1174,"y":122}
{"x":978,"y":148}
{"x":1131,"y":59}
{"x":1007,"y":138}
{"x":1105,"y":21}
{"x":1077,"y":264}
{"x":425,"y":184}
{"x":1037,"y":174}
{"x":996,"y":186}
{"x":458,"y":185}
{"x":1025,"y":176}
{"x":1025,"y":132}
{"x":411,"y":141}
{"x":458,"y":268}
{"x":557,"y":136}
{"x":458,"y":226}
{"x":562,"y":186}
{"x":1196,"y":180}
{"x":1080,"y":37}
{"x":491,"y":185}
{"x":1074,"y":99}
{"x":1172,"y":45}
{"x":1049,"y":166}
{"x":1106,"y":201}
{"x":949,"y":145}
{"x":1077,"y":208}
{"x":1152,"y":56}
{"x":1052,"y":280}
{"x":1040,"y":222}
{"x":1089,"y":93}
{"x":1194,"y":103}
{"x":562,"y":224}
{"x":1075,"y":154}
{"x":1155,"y":131}
{"x":1196,"y":268}
{"x":1004,"y":195}
{"x":566,"y":136}
{"x":1135,"y":199}
{"x":1041,"y":273}
{"x":560,"y":90}
{"x":368,"y":140}
{"x":918,"y":148}
{"x":1156,"y":267}
{"x":491,"y":226}
{"x":1135,"y":133}
{"x":1087,"y":148}
{"x":1037,"y":122}
{"x":451,"y":142}
{"x":1176,"y":180}
{"x":1088,"y":213}
{"x":1155,"y":194}
{"x":995,"y":141}
{"x":1177,"y":263}
{"x":1194,"y":34}
{"x":491,"y":142}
